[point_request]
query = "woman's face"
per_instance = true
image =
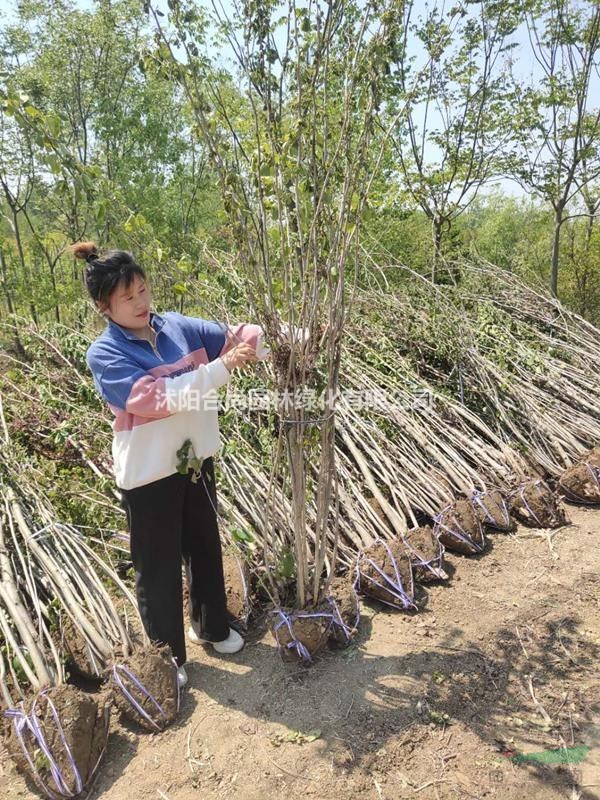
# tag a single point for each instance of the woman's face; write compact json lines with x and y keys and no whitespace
{"x":130,"y":307}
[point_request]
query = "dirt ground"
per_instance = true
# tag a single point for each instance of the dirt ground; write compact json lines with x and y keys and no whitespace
{"x":501,"y":662}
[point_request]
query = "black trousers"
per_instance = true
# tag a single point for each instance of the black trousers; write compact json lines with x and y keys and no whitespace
{"x":171,"y":520}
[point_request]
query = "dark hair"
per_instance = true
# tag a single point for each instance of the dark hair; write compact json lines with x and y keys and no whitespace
{"x":104,"y":273}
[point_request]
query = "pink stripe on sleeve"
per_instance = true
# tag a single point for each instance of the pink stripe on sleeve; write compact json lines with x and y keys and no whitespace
{"x":244,"y":332}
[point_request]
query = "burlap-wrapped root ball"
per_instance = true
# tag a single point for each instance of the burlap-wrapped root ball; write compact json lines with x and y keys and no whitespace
{"x":384,"y":572}
{"x":581,"y":482}
{"x":57,"y":738}
{"x":459,"y":529}
{"x":145,"y":687}
{"x":535,"y":504}
{"x":342,"y":602}
{"x":300,"y":635}
{"x":493,"y":511}
{"x":426,"y":554}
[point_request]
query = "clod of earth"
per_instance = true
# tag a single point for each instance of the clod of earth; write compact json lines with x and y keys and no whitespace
{"x":300,"y":635}
{"x":145,"y":687}
{"x":58,"y":737}
{"x":343,"y":603}
{"x":426,"y":554}
{"x":385,"y":574}
{"x":535,"y":504}
{"x":237,"y":586}
{"x":459,"y":528}
{"x":80,"y":658}
{"x":492,"y":508}
{"x":581,"y":483}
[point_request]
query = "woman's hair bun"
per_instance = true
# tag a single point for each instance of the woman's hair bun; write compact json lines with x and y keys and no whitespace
{"x":84,"y":250}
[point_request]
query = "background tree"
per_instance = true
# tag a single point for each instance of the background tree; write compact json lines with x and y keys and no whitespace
{"x":556,"y":124}
{"x":456,"y":122}
{"x":103,"y":154}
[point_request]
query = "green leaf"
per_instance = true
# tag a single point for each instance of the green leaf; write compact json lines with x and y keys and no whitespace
{"x":54,"y":124}
{"x":241,"y":535}
{"x":287,"y":567}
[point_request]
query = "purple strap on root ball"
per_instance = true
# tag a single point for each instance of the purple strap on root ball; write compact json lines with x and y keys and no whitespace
{"x":395,"y":588}
{"x":141,"y":711}
{"x":529,"y":508}
{"x":286,"y":619}
{"x":595,"y":473}
{"x":459,"y":534}
{"x":434,"y":565}
{"x":21,"y":721}
{"x":338,"y":620}
{"x":520,"y":491}
{"x":477,"y":498}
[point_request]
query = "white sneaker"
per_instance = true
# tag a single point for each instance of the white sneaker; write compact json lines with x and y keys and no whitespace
{"x":182,"y":677}
{"x":232,"y":644}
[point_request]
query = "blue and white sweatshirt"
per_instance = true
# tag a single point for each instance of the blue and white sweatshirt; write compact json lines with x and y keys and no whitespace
{"x":154,"y":394}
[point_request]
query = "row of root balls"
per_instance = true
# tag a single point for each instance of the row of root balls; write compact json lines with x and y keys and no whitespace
{"x":387,"y":571}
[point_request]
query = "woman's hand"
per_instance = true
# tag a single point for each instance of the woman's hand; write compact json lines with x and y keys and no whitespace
{"x":239,"y":356}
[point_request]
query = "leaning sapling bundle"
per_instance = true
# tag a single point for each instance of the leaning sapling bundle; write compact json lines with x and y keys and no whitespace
{"x":57,"y":738}
{"x":492,"y":509}
{"x":535,"y":504}
{"x":384,"y":572}
{"x":145,"y":687}
{"x":426,"y":554}
{"x":459,"y":528}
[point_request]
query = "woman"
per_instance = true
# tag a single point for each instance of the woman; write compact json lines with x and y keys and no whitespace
{"x":157,"y":372}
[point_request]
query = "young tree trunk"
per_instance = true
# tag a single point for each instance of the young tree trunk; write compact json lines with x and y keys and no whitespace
{"x":294,"y":437}
{"x":24,"y":267}
{"x":9,"y":302}
{"x":558,"y":221}
{"x":52,"y":267}
{"x":437,"y":246}
{"x":592,"y":210}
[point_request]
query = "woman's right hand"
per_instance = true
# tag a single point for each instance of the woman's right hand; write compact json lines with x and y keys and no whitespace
{"x":239,"y":356}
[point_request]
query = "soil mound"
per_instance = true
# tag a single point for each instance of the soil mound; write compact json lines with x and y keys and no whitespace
{"x":459,"y":528}
{"x":145,"y":687}
{"x":426,"y":554}
{"x":535,"y":504}
{"x":384,"y":573}
{"x":58,"y":737}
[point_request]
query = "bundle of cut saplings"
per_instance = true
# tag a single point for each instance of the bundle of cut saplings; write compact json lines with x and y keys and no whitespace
{"x":90,"y":631}
{"x":55,"y":733}
{"x":58,"y":620}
